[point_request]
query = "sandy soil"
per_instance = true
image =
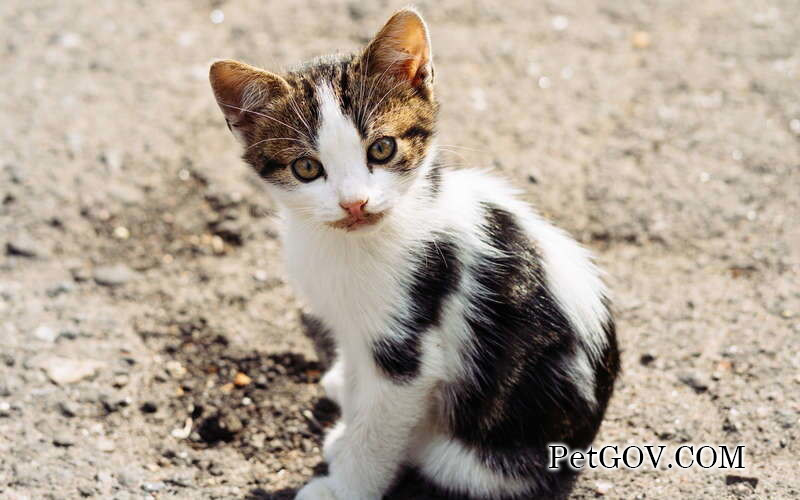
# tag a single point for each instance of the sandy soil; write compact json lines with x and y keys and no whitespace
{"x":149,"y":346}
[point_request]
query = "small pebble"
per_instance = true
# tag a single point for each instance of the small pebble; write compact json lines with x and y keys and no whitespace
{"x":68,"y":408}
{"x":175,"y":369}
{"x":603,"y":487}
{"x":80,"y":274}
{"x":86,"y":491}
{"x":148,"y":407}
{"x":120,"y":381}
{"x":183,"y":480}
{"x":60,"y":288}
{"x":45,"y":334}
{"x":22,"y":246}
{"x":733,"y":479}
{"x":112,"y":158}
{"x":105,"y":445}
{"x":121,"y":233}
{"x":696,"y":381}
{"x":64,"y":439}
{"x":115,"y":275}
{"x":5,"y":409}
{"x":103,"y":477}
{"x":68,"y":371}
{"x":241,"y":379}
{"x":559,"y":23}
{"x":641,"y":40}
{"x":217,"y":16}
{"x":646,"y":359}
{"x":152,"y":487}
{"x":129,"y":478}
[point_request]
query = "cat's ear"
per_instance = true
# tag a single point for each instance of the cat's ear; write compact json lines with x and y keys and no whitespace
{"x":240,"y":89}
{"x":402,"y":49}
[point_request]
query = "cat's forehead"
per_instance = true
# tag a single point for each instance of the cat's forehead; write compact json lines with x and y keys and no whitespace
{"x":377,"y":104}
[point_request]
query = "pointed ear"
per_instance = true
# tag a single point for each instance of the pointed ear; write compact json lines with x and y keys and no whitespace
{"x":402,"y":48}
{"x":240,"y":88}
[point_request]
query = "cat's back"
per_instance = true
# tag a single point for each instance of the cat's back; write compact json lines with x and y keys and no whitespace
{"x":538,"y":310}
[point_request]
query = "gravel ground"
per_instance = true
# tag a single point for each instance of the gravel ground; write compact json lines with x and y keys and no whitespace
{"x":150,"y":348}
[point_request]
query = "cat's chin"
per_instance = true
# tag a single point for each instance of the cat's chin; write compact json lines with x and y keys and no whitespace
{"x":363,"y":225}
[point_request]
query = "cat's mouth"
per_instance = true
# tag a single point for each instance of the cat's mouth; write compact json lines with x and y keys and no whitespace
{"x":355,"y":223}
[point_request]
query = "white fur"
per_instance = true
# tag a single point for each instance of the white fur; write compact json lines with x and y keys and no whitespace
{"x":355,"y":283}
{"x":455,"y":465}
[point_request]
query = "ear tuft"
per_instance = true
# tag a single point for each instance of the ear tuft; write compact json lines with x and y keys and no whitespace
{"x":239,"y":88}
{"x":402,"y":48}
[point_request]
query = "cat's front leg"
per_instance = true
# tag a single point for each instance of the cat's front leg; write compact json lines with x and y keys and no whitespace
{"x":371,"y":445}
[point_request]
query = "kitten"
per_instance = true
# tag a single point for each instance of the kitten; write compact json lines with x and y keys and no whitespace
{"x":470,"y":332}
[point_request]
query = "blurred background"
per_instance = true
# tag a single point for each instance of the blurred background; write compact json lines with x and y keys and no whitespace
{"x":150,"y":348}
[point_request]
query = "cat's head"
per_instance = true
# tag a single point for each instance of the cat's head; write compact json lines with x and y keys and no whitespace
{"x":342,"y":141}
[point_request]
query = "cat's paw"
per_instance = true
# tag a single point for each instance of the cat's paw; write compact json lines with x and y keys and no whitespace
{"x":320,"y":488}
{"x":334,"y":442}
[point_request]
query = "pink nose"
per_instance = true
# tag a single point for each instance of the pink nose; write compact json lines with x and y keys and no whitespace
{"x":354,"y":208}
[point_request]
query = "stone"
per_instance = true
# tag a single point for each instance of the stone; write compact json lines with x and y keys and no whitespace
{"x":641,"y":40}
{"x":68,"y":408}
{"x":183,"y":479}
{"x":112,"y":158}
{"x":241,"y":379}
{"x":80,"y":274}
{"x":696,"y":381}
{"x":105,"y":445}
{"x":5,"y":409}
{"x":68,"y":371}
{"x":103,"y":477}
{"x":60,"y":288}
{"x":23,"y":246}
{"x":733,"y":479}
{"x":646,"y":359}
{"x":46,"y":333}
{"x":129,"y":478}
{"x":115,"y":275}
{"x":603,"y":487}
{"x":152,"y":487}
{"x":148,"y":407}
{"x":86,"y":491}
{"x":64,"y":439}
{"x":175,"y":369}
{"x":230,"y":231}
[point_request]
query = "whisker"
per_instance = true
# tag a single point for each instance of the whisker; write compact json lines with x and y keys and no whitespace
{"x":364,"y":69}
{"x":375,"y":107}
{"x":261,"y":114}
{"x":464,"y":148}
{"x":275,"y":139}
{"x":296,"y":109}
{"x":372,"y":89}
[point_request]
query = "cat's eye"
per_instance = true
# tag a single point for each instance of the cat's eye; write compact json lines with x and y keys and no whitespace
{"x":307,"y":169}
{"x":382,"y":150}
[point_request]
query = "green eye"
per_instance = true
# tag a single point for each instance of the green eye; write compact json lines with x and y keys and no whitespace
{"x":307,"y":169}
{"x":382,"y":150}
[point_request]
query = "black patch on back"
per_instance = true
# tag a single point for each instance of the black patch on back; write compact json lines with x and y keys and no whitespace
{"x":437,"y":276}
{"x":518,"y":398}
